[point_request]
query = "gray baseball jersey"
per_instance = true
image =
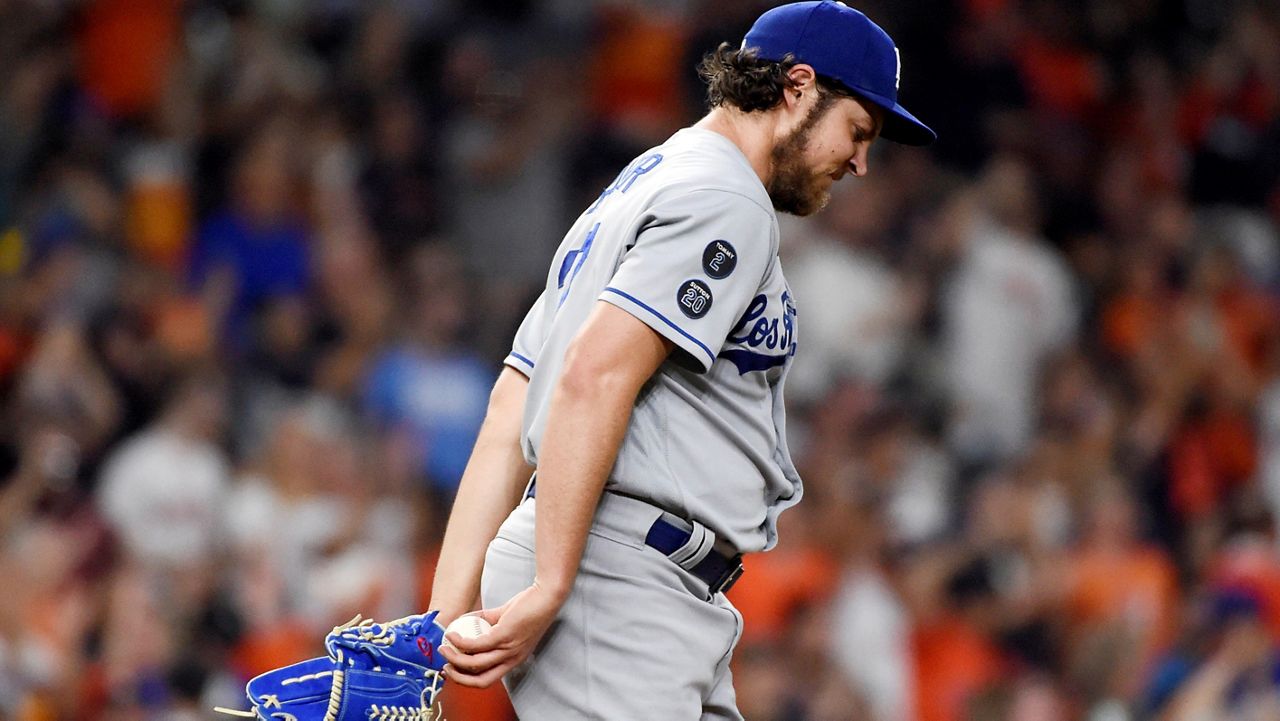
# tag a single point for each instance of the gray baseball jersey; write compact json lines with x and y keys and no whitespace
{"x":686,"y":240}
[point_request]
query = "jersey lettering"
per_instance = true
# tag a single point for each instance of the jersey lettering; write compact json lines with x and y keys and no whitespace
{"x":627,"y":178}
{"x":758,"y":331}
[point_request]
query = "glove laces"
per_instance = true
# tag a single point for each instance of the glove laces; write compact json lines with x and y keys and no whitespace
{"x":399,"y":713}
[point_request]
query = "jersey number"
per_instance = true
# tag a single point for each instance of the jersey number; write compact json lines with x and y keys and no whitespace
{"x":693,"y":301}
{"x":573,"y":261}
{"x":717,"y":261}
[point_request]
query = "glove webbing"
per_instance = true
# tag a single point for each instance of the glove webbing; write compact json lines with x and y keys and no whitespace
{"x":363,"y":627}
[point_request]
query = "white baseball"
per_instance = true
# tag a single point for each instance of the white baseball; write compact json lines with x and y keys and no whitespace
{"x":468,"y":626}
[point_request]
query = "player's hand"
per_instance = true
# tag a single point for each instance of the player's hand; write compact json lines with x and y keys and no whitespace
{"x":518,"y":625}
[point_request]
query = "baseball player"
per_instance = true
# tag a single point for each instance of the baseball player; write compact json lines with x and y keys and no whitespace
{"x":645,"y":387}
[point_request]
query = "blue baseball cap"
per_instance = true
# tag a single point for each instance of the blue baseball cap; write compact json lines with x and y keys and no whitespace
{"x":844,"y":45}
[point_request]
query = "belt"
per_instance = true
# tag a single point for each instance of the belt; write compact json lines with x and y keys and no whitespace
{"x":691,"y":546}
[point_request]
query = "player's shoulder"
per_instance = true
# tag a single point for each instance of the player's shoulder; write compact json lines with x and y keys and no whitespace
{"x":708,"y":164}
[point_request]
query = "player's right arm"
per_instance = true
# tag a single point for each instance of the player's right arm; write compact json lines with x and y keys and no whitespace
{"x":605,"y":366}
{"x":491,"y":486}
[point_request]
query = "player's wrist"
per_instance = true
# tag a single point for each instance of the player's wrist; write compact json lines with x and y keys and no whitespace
{"x":555,"y":589}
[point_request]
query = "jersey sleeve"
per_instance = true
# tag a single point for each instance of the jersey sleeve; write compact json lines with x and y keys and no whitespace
{"x":529,"y":338}
{"x":695,"y":268}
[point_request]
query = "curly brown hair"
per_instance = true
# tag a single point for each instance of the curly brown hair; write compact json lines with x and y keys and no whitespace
{"x":741,"y":79}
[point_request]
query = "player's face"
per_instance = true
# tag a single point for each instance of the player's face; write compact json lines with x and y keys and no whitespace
{"x":832,"y":140}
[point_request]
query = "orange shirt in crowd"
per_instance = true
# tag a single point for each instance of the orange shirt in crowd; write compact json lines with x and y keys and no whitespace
{"x":1248,"y":320}
{"x":954,"y":661}
{"x":1146,"y":601}
{"x":1063,"y":80}
{"x":278,"y":645}
{"x":1208,"y":459}
{"x":635,"y":75}
{"x":1130,"y":323}
{"x":126,"y":50}
{"x":776,"y":583}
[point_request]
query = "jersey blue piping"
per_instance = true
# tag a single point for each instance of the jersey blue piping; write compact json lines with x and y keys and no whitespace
{"x":663,"y":318}
{"x":519,"y":357}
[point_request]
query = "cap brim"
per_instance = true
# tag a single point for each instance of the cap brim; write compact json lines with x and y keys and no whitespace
{"x":900,"y":126}
{"x":905,"y":128}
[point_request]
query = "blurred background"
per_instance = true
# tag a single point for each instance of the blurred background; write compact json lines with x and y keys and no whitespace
{"x":260,"y":262}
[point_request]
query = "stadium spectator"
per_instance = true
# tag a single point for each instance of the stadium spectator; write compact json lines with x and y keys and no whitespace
{"x":1009,"y":307}
{"x":162,"y":490}
{"x":428,"y":385}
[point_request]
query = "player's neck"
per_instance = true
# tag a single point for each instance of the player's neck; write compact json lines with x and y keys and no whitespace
{"x":753,"y":133}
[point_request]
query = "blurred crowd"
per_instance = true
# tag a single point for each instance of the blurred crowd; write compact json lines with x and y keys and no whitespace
{"x":260,"y":261}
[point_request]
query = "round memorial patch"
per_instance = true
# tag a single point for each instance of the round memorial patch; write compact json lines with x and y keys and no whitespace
{"x":694,"y":298}
{"x":719,"y":259}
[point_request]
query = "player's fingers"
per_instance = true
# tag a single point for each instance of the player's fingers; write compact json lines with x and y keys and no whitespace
{"x":486,"y":641}
{"x":449,"y":652}
{"x":481,"y":680}
{"x":503,"y":634}
{"x":474,"y":644}
{"x":475,"y":663}
{"x":461,"y":679}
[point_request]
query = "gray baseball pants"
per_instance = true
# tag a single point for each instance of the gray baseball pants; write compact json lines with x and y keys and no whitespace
{"x":638,"y":637}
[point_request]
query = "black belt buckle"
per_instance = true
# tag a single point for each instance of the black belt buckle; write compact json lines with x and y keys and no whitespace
{"x":729,"y":577}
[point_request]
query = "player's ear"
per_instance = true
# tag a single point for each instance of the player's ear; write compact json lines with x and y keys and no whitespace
{"x":804,"y":82}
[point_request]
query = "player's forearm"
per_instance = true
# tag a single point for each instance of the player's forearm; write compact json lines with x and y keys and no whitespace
{"x":586,"y":423}
{"x":491,"y":486}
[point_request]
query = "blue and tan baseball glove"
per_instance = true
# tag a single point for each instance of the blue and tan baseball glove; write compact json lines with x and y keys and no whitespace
{"x":373,"y":672}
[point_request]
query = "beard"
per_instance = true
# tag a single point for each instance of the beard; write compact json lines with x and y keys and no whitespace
{"x":794,"y":187}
